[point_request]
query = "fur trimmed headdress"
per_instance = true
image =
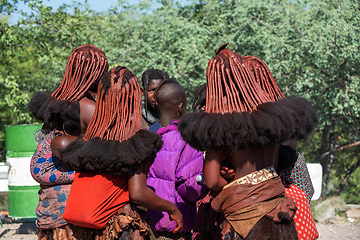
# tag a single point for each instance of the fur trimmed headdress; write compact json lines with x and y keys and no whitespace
{"x":245,"y":108}
{"x":272,"y":122}
{"x":112,"y":156}
{"x":84,"y":69}
{"x":63,"y":114}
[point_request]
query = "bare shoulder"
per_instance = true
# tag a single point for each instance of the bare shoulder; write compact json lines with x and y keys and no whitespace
{"x":61,"y":142}
{"x":87,"y":104}
{"x":87,"y":109}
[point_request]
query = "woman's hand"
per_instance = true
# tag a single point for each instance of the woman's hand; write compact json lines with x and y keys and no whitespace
{"x":141,"y":194}
{"x":178,"y":218}
{"x":226,"y":173}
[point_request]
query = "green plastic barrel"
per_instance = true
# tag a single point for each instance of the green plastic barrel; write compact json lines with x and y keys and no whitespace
{"x":23,"y":189}
{"x":20,"y":140}
{"x":23,"y":201}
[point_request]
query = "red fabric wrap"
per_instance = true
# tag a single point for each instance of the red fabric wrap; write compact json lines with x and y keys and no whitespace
{"x":94,"y":199}
{"x":304,"y":221}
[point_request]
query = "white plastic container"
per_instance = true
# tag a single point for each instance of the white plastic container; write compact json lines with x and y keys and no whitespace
{"x":316,"y":175}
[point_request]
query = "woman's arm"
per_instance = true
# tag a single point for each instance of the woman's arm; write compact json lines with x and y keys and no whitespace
{"x":141,"y":194}
{"x":212,"y":166}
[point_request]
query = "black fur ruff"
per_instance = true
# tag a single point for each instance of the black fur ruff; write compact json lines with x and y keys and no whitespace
{"x":63,"y":114}
{"x":272,"y":122}
{"x":111,"y":156}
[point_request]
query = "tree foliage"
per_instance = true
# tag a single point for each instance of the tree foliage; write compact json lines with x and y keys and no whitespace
{"x":310,"y":46}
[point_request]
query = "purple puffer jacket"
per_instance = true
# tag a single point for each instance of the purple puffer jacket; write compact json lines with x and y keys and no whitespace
{"x":173,"y":177}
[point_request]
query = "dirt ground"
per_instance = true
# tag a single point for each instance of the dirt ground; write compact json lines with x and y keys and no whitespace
{"x":344,"y":231}
{"x":25,"y":231}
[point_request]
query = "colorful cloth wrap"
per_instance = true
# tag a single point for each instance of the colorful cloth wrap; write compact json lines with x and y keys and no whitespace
{"x":247,"y":200}
{"x":301,"y":177}
{"x":55,"y":181}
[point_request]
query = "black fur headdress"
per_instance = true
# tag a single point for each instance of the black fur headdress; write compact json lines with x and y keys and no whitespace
{"x":272,"y":122}
{"x":64,"y":114}
{"x":111,"y":156}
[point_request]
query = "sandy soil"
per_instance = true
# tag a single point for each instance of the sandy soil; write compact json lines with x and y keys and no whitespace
{"x":25,"y":231}
{"x":344,"y":231}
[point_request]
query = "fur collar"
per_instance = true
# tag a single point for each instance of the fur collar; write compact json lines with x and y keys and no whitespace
{"x":110,"y":156}
{"x":63,"y":114}
{"x":272,"y":122}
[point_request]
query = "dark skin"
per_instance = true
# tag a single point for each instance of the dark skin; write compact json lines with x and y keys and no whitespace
{"x":153,"y":84}
{"x":87,"y":109}
{"x":60,"y":142}
{"x":243,"y":162}
{"x":171,"y":103}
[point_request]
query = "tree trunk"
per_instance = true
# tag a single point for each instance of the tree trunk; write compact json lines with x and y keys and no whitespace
{"x":323,"y":162}
{"x":348,"y":173}
{"x":328,"y":165}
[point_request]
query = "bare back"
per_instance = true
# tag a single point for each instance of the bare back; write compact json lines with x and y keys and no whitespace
{"x":243,"y":162}
{"x":250,"y":160}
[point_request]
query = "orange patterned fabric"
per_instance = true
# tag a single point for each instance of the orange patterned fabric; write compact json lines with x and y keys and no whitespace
{"x":255,"y":177}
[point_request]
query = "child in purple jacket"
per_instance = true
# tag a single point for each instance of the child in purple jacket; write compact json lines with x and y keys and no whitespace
{"x":177,"y":166}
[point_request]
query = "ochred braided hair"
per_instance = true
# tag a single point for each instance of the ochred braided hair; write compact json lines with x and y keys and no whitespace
{"x":117,"y":114}
{"x":262,"y":75}
{"x":84,"y":69}
{"x":236,"y":83}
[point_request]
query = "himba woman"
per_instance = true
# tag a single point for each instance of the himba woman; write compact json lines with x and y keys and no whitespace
{"x":67,"y":110}
{"x":245,"y":119}
{"x":111,"y":161}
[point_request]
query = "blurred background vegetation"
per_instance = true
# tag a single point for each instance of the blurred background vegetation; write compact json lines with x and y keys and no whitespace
{"x":311,"y":47}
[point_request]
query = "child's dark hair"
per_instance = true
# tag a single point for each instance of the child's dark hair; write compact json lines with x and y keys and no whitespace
{"x":149,"y":75}
{"x":166,"y":81}
{"x":199,"y":99}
